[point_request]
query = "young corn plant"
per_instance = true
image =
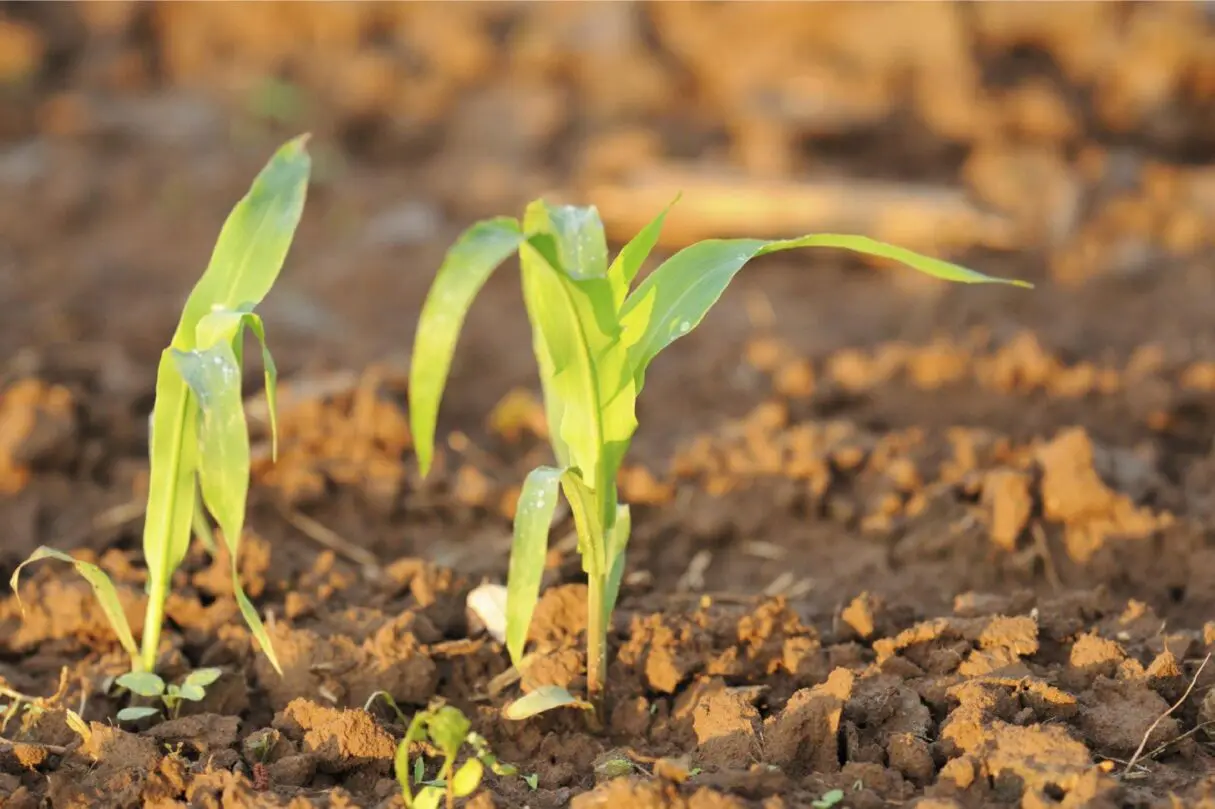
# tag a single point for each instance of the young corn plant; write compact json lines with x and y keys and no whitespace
{"x":199,"y":440}
{"x":594,"y":337}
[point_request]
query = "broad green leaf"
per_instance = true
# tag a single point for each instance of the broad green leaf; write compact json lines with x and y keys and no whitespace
{"x":533,"y":267}
{"x":214,"y":378}
{"x":630,"y":258}
{"x":617,"y":544}
{"x":581,"y":243}
{"x":135,"y":714}
{"x":675,"y":298}
{"x":254,"y":241}
{"x":203,"y":677}
{"x":467,"y":778}
{"x":533,"y":519}
{"x":588,"y":367}
{"x":465,"y":269}
{"x":448,"y":729}
{"x":143,"y":683}
{"x":544,"y":698}
{"x":222,"y":324}
{"x":103,"y":589}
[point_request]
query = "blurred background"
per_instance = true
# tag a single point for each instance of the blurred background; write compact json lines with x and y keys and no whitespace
{"x":1066,"y":143}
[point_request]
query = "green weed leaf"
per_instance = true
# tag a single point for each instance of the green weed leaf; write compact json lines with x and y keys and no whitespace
{"x":448,"y":729}
{"x":465,"y":269}
{"x":630,"y":258}
{"x":103,"y":589}
{"x":544,"y":698}
{"x":533,"y":519}
{"x":467,"y":778}
{"x":143,"y":683}
{"x":203,"y":677}
{"x":617,"y":543}
{"x":192,"y":692}
{"x":135,"y":714}
{"x":674,"y":299}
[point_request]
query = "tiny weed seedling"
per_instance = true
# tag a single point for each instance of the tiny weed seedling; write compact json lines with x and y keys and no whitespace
{"x":447,"y":730}
{"x":594,"y":340}
{"x":829,"y":799}
{"x":199,"y":441}
{"x":147,"y":684}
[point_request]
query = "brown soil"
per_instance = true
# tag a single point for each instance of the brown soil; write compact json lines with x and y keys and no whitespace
{"x":932,"y":546}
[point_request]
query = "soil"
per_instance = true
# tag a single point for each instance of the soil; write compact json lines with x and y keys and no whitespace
{"x":933,"y":546}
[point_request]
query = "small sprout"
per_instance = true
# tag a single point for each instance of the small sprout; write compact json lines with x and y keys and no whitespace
{"x":829,"y":799}
{"x":594,"y":335}
{"x":613,"y":767}
{"x":532,"y":780}
{"x":147,"y":684}
{"x":448,"y":730}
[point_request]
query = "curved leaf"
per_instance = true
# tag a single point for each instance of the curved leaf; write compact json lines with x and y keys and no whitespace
{"x":465,"y":269}
{"x":203,"y":677}
{"x":544,"y":698}
{"x":103,"y":589}
{"x":135,"y":714}
{"x":581,"y":243}
{"x":675,"y":297}
{"x":467,"y":778}
{"x":143,"y":683}
{"x":533,"y":519}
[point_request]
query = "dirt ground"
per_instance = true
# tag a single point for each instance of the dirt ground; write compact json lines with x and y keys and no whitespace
{"x":934,"y":546}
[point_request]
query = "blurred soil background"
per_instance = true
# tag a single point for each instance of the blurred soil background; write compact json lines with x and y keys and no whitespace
{"x":869,"y":444}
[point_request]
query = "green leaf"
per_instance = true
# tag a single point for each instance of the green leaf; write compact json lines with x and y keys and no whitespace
{"x":143,"y":683}
{"x":829,"y":799}
{"x":532,"y":780}
{"x":448,"y":729}
{"x":103,"y":589}
{"x":465,"y":269}
{"x":617,"y":543}
{"x":214,"y":378}
{"x":223,"y":324}
{"x":135,"y":714}
{"x":419,"y":770}
{"x":430,"y":798}
{"x":254,"y":241}
{"x":544,"y":698}
{"x":581,"y":243}
{"x":630,"y":258}
{"x":467,"y":778}
{"x":583,"y":505}
{"x":203,"y":677}
{"x":533,"y":519}
{"x":675,"y":297}
{"x":192,"y":692}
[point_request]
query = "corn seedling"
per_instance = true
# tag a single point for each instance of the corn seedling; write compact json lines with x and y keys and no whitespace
{"x":147,"y":684}
{"x":199,"y":441}
{"x":594,"y":340}
{"x":448,"y":730}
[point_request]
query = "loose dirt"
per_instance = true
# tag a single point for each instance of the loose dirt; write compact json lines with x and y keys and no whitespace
{"x":942,"y":547}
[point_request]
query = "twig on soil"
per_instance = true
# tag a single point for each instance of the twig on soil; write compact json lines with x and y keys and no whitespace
{"x":1147,"y":734}
{"x":1048,"y":559}
{"x":323,"y":535}
{"x":53,"y":749}
{"x":1161,"y":747}
{"x":693,"y":578}
{"x":762,"y":549}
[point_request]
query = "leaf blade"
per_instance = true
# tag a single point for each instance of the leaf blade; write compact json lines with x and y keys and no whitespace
{"x":103,"y":589}
{"x":545,"y":698}
{"x":465,"y":269}
{"x":533,"y":520}
{"x":630,"y":258}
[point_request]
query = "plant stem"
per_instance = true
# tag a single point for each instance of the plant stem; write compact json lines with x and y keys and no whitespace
{"x":152,"y":620}
{"x":596,"y":643}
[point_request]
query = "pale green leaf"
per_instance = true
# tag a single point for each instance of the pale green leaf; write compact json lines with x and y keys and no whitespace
{"x":533,"y":519}
{"x":203,"y":677}
{"x":135,"y":714}
{"x":143,"y":683}
{"x":589,"y":527}
{"x":465,"y":269}
{"x":254,"y":241}
{"x":630,"y":258}
{"x":581,"y":243}
{"x":430,"y":798}
{"x":467,"y":778}
{"x":103,"y":589}
{"x":448,"y":729}
{"x":617,"y":544}
{"x":419,"y":770}
{"x":202,"y":527}
{"x":214,"y":378}
{"x":674,"y":299}
{"x":532,"y":780}
{"x":544,"y":698}
{"x":228,"y":325}
{"x":192,"y":692}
